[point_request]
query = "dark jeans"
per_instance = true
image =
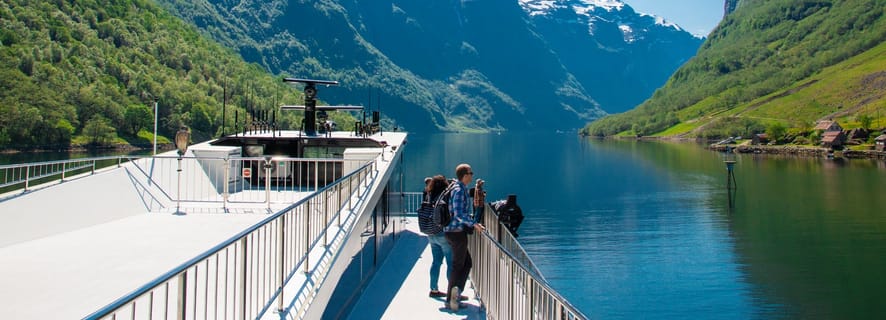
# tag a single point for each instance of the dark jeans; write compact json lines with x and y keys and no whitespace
{"x":461,"y":260}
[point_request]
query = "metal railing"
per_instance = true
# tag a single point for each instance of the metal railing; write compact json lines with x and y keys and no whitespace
{"x":508,"y":241}
{"x":411,"y":202}
{"x":245,"y":276}
{"x":504,"y":276}
{"x":25,"y":174}
{"x":168,"y":180}
{"x":239,"y":180}
{"x":508,"y":282}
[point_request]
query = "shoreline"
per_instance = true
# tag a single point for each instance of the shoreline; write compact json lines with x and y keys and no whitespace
{"x":82,"y":149}
{"x":792,"y":150}
{"x":804,"y":151}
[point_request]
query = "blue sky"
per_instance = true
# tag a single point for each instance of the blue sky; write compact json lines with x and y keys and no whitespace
{"x":698,"y":17}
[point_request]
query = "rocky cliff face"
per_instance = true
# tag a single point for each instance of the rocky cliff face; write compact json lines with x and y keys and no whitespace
{"x":620,"y":56}
{"x":459,"y":65}
{"x":730,"y":6}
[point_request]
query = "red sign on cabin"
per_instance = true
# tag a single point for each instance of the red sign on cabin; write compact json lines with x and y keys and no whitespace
{"x":247,"y":172}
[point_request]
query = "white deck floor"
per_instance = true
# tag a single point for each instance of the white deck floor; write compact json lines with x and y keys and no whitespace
{"x":400,"y":288}
{"x":70,"y":275}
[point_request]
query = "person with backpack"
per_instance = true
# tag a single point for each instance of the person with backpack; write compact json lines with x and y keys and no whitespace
{"x":440,"y":249}
{"x":509,"y":213}
{"x":456,"y":235}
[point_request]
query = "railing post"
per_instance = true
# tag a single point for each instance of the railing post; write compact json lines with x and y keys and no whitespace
{"x":308,"y":235}
{"x":365,"y":175}
{"x":350,"y":193}
{"x":64,"y":167}
{"x":511,"y":287}
{"x":282,"y":253}
{"x":325,"y":200}
{"x":178,"y":200}
{"x":316,"y":175}
{"x":227,"y":178}
{"x":93,"y":166}
{"x":338,"y":204}
{"x":27,"y":177}
{"x":243,"y":274}
{"x":268,"y":181}
{"x":182,"y":295}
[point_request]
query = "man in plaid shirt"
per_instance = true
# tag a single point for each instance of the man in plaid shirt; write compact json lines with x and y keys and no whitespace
{"x":459,"y":209}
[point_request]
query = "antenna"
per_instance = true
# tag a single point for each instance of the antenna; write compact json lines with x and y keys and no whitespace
{"x":311,"y":101}
{"x":224,"y":102}
{"x":378,"y":118}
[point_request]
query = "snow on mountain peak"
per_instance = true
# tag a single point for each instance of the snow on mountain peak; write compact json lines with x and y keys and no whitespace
{"x":661,"y":21}
{"x":607,"y":5}
{"x":598,"y":10}
{"x":542,"y":7}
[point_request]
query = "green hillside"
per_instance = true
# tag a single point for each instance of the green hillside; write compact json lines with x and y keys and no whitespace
{"x":772,"y":64}
{"x":86,"y":72}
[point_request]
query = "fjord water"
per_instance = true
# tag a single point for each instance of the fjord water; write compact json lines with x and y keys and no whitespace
{"x":632,"y":229}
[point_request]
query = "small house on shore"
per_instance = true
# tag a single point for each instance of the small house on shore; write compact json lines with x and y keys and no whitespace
{"x":832,"y":139}
{"x":880,"y":143}
{"x":828,"y":126}
{"x":759,"y":138}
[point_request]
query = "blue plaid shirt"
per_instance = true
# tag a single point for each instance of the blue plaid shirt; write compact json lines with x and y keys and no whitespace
{"x":459,"y":209}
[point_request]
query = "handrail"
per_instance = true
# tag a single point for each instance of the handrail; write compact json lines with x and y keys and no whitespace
{"x":263,"y":258}
{"x":411,"y":202}
{"x":507,"y":280}
{"x":224,"y":180}
{"x":173,"y":180}
{"x":504,"y":276}
{"x":507,"y":239}
{"x":25,"y":173}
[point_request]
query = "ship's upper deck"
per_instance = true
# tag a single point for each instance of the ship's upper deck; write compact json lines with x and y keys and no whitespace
{"x":217,"y":233}
{"x":68,"y":249}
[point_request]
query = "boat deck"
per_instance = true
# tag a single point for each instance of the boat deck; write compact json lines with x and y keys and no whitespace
{"x":400,"y":288}
{"x":69,"y":274}
{"x":57,"y":264}
{"x":63,"y":256}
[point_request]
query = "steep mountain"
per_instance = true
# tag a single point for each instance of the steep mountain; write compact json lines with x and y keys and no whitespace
{"x":772,"y":64}
{"x":458,"y":65}
{"x":87,"y":72}
{"x":619,"y":55}
{"x":730,"y":6}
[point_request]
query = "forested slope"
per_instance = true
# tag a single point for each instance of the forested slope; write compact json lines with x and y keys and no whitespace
{"x":758,"y":60}
{"x":86,"y":72}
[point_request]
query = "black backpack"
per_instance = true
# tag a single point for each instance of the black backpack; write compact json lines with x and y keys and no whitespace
{"x":427,"y":223}
{"x":441,"y":207}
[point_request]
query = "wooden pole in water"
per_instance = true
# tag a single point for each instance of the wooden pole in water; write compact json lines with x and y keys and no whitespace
{"x":730,"y":174}
{"x":731,"y":186}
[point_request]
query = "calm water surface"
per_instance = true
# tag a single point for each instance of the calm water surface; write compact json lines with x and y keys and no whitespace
{"x":628,"y":230}
{"x":26,"y":157}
